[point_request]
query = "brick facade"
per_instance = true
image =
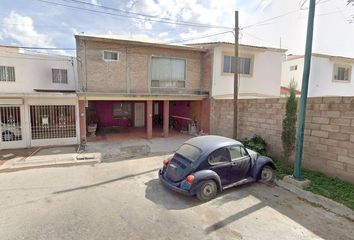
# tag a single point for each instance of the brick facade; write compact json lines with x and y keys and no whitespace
{"x":329,"y":129}
{"x":131,"y":74}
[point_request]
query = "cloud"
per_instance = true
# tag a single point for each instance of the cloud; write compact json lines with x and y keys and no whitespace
{"x":21,"y":29}
{"x":163,"y":34}
{"x":204,"y":11}
{"x":95,"y":2}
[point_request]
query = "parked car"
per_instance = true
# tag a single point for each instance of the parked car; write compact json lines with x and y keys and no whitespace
{"x":206,"y":165}
{"x":10,"y":132}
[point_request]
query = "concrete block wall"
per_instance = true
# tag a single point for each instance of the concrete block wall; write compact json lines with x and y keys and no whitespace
{"x":329,"y":129}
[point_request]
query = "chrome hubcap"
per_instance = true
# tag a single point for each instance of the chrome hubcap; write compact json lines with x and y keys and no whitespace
{"x":207,"y":190}
{"x":267,"y":174}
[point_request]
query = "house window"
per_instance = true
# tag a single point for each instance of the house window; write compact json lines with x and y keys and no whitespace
{"x":7,"y":74}
{"x":60,"y":75}
{"x":293,"y":68}
{"x":110,"y":56}
{"x":244,"y":65}
{"x":122,"y":110}
{"x":168,"y":72}
{"x":342,"y":73}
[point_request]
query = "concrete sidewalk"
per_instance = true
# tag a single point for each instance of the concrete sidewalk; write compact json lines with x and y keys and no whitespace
{"x":93,"y":152}
{"x":113,"y":151}
{"x":20,"y":159}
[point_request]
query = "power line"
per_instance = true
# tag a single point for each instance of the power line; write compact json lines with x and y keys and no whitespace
{"x":143,"y":15}
{"x":74,"y":49}
{"x":42,"y":48}
{"x":201,"y":37}
{"x":139,"y":18}
{"x":269,"y":19}
{"x":301,"y":3}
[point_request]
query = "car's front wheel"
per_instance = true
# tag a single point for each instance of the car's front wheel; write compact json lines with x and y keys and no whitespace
{"x":207,"y":191}
{"x":267,"y":174}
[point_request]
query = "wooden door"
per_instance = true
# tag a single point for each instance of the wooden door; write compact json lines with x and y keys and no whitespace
{"x":139,"y":114}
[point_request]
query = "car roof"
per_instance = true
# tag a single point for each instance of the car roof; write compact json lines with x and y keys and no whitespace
{"x":210,"y":143}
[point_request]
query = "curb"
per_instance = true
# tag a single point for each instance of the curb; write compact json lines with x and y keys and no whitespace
{"x":318,"y":201}
{"x":133,"y":156}
{"x":51,"y":165}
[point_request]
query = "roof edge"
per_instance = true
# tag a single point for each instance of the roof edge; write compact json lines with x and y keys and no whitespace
{"x":141,"y":43}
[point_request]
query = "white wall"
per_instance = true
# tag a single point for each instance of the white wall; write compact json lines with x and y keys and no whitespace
{"x":265,"y":79}
{"x":34,"y":71}
{"x":321,"y":77}
{"x":288,"y":75}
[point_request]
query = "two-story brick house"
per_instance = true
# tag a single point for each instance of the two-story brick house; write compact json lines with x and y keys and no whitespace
{"x":137,"y":86}
{"x":38,"y":103}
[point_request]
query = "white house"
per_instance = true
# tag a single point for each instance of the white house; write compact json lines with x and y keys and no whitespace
{"x":260,"y":70}
{"x":329,"y":76}
{"x":38,"y":103}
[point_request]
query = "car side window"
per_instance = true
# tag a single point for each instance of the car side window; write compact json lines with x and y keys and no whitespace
{"x":221,"y":155}
{"x":244,"y":152}
{"x":235,"y":152}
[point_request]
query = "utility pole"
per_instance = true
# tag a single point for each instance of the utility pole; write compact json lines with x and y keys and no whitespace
{"x":303,"y":100}
{"x":236,"y":77}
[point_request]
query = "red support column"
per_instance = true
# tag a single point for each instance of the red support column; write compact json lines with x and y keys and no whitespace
{"x":166,"y":116}
{"x":82,"y":120}
{"x":149,"y":119}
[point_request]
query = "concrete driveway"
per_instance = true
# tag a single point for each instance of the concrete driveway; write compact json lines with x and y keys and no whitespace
{"x":124,"y":200}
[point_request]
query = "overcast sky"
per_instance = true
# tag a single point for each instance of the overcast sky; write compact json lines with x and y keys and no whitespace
{"x":41,"y":24}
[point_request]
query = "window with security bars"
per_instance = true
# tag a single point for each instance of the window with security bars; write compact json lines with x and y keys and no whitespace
{"x":244,"y":65}
{"x":342,"y":73}
{"x":168,"y":72}
{"x":53,"y":121}
{"x":60,"y":75}
{"x":10,"y":124}
{"x":7,"y":73}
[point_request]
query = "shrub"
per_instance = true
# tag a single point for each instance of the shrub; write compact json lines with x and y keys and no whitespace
{"x":256,"y":143}
{"x":289,"y":123}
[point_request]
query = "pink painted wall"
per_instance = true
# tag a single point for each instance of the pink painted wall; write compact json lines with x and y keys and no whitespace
{"x":104,"y":110}
{"x":182,"y":109}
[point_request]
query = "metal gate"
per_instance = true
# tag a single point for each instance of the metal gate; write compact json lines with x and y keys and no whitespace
{"x":11,"y":127}
{"x":52,"y":121}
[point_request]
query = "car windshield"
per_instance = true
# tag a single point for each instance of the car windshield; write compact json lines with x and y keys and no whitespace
{"x":190,"y":152}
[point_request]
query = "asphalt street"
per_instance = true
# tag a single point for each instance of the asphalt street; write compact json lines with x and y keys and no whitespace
{"x":124,"y":200}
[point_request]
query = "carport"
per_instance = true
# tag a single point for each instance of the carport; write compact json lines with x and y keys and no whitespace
{"x":126,"y":119}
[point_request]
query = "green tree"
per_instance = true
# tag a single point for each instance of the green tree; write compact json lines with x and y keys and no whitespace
{"x":289,"y":123}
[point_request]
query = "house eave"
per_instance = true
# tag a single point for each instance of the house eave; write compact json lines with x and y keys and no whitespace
{"x":138,"y":96}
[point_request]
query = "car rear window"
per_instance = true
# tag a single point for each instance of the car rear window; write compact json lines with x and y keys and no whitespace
{"x":190,"y":152}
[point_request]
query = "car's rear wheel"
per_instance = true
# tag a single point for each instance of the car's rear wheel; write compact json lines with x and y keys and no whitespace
{"x":267,"y":174}
{"x":207,"y":191}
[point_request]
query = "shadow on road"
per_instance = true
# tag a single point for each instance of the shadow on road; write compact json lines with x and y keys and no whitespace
{"x":105,"y":182}
{"x":166,"y":198}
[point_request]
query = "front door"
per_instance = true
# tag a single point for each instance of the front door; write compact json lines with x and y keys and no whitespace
{"x":139,"y":114}
{"x":220,"y":162}
{"x":240,"y":161}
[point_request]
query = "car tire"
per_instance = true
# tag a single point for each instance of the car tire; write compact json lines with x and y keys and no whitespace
{"x":8,"y":136}
{"x":207,"y":191}
{"x":267,"y":174}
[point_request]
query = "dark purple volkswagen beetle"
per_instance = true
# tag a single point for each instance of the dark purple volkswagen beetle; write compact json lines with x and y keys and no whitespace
{"x":206,"y":165}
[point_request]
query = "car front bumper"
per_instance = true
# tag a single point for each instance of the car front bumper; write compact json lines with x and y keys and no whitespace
{"x":172,"y":187}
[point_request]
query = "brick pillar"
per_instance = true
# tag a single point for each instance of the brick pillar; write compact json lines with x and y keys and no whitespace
{"x":82,"y":115}
{"x":166,"y":113}
{"x":149,"y":119}
{"x":205,"y":115}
